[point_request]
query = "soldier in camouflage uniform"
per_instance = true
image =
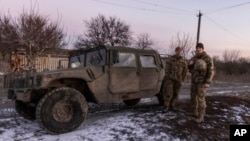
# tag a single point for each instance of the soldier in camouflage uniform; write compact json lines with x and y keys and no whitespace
{"x":176,"y":70}
{"x":202,"y":71}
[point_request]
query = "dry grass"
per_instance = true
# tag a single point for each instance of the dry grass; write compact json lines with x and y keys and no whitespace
{"x":240,"y":78}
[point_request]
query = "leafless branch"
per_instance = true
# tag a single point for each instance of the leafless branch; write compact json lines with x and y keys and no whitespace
{"x":104,"y":31}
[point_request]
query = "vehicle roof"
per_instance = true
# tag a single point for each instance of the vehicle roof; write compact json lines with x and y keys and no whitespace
{"x":129,"y":49}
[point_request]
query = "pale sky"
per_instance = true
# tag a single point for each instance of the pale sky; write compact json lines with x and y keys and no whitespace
{"x":225,"y":24}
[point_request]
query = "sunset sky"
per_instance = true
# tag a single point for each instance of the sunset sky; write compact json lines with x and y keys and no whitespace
{"x":225,"y":24}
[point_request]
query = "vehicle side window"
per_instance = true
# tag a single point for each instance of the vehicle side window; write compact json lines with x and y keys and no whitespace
{"x":77,"y":61}
{"x":125,"y":60}
{"x":96,"y":58}
{"x":148,"y":61}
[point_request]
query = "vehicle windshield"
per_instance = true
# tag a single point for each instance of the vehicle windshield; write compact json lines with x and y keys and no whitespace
{"x":93,"y":58}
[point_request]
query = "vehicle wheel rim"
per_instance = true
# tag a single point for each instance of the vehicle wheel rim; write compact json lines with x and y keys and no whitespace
{"x":63,"y":111}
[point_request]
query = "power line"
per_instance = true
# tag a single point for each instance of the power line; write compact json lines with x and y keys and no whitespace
{"x":121,"y":5}
{"x":161,"y":6}
{"x":223,"y":28}
{"x":137,"y":8}
{"x":226,"y":8}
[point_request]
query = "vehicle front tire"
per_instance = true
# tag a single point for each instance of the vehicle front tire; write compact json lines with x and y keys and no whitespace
{"x":132,"y":102}
{"x":61,"y":110}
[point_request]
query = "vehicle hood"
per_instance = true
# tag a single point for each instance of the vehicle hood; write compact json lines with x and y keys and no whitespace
{"x":86,"y":73}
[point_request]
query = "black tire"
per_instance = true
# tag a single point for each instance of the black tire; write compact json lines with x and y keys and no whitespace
{"x":132,"y":102}
{"x":25,"y":110}
{"x":160,"y":95}
{"x":61,"y":110}
{"x":160,"y":99}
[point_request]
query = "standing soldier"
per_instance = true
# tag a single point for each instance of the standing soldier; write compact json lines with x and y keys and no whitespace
{"x":202,"y":71}
{"x":176,"y":70}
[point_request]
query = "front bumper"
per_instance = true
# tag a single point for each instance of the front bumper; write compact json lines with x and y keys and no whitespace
{"x":22,"y":95}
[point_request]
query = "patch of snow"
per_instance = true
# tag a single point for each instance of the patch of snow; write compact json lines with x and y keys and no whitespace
{"x":182,"y":121}
{"x":241,"y":109}
{"x":223,"y":92}
{"x":225,"y":110}
{"x":120,"y":126}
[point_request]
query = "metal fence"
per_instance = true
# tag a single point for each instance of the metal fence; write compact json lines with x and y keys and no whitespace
{"x":41,"y":63}
{"x":4,"y":66}
{"x":46,"y":63}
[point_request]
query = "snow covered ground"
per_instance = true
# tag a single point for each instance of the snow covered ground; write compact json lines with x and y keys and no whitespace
{"x":106,"y":125}
{"x":145,"y":122}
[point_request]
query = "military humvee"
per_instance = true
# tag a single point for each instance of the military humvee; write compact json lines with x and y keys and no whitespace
{"x":58,"y":99}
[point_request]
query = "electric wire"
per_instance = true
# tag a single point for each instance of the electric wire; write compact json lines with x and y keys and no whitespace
{"x":223,"y":28}
{"x":226,"y":8}
{"x":161,"y":6}
{"x":139,"y":8}
{"x":180,"y":10}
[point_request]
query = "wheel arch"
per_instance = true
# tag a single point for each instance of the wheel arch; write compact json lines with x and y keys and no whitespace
{"x":75,"y":83}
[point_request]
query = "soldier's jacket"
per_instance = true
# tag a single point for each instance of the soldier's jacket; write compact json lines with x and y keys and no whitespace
{"x":176,"y":68}
{"x":203,"y":68}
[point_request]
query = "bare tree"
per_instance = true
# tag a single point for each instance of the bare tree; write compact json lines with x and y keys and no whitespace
{"x":231,"y":56}
{"x":33,"y":33}
{"x":8,"y":35}
{"x":185,"y":41}
{"x":39,"y":35}
{"x":104,"y":31}
{"x":231,"y":62}
{"x":144,"y":41}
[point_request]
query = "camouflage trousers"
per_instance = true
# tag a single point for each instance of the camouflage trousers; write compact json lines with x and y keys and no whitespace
{"x":171,"y":93}
{"x":198,"y":98}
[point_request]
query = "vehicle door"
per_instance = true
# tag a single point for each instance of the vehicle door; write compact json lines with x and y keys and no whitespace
{"x":149,"y":72}
{"x":123,"y":72}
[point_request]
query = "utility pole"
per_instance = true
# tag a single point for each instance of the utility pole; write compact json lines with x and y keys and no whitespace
{"x":199,"y":24}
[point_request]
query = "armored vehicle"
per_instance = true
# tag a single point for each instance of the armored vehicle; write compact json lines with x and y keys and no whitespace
{"x":58,"y":99}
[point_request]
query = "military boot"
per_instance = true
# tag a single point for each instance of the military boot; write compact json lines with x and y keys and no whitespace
{"x":193,"y":114}
{"x":200,"y":119}
{"x":172,"y":108}
{"x":165,"y":109}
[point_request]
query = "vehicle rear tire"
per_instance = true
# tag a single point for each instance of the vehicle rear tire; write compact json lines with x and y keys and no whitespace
{"x":160,"y":99}
{"x":160,"y":95}
{"x":132,"y":102}
{"x":25,"y":110}
{"x":61,"y":110}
